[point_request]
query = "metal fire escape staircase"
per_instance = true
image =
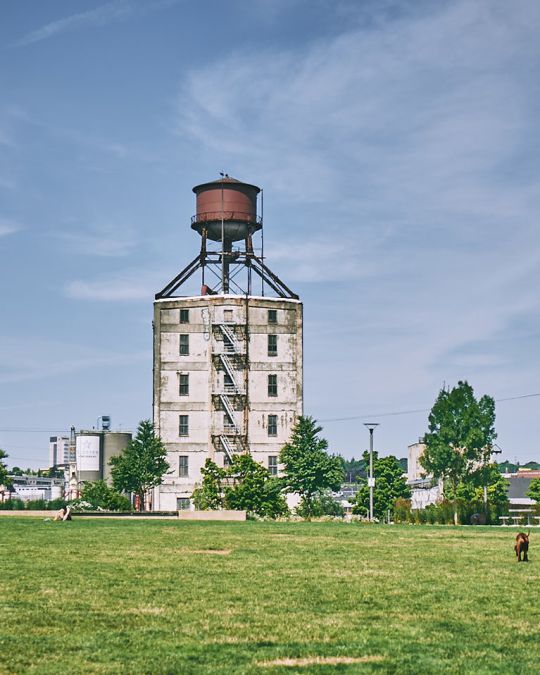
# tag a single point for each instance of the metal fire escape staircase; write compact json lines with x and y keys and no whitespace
{"x":231,"y":347}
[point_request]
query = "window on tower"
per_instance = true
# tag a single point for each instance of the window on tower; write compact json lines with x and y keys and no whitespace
{"x":272,"y":385}
{"x":272,"y":345}
{"x":184,"y":316}
{"x":228,"y":384}
{"x":184,"y":344}
{"x":228,"y":423}
{"x":183,"y":425}
{"x":183,"y":503}
{"x":273,"y":465}
{"x":184,"y":384}
{"x":272,"y":425}
{"x":272,"y":316}
{"x":183,"y":466}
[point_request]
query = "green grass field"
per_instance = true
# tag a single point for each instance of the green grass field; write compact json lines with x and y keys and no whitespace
{"x":110,"y":596}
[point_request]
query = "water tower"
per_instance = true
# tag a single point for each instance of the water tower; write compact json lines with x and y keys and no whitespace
{"x":227,"y":361}
{"x":226,"y":213}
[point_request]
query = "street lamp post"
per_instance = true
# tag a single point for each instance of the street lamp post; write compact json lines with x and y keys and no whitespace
{"x":371,"y":480}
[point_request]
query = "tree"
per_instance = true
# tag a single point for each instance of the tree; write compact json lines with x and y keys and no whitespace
{"x":472,"y":488}
{"x":323,"y":504}
{"x":534,"y":490}
{"x":390,"y":485}
{"x":142,"y":464}
{"x":353,"y":469}
{"x":460,"y":437}
{"x":4,"y":480}
{"x":244,"y":486}
{"x":309,"y":469}
{"x":209,"y":496}
{"x":103,"y":496}
{"x":253,"y":489}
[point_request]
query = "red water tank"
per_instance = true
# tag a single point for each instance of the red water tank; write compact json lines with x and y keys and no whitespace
{"x":226,"y":207}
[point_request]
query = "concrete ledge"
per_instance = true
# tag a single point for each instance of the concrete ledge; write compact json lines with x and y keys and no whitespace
{"x":212,"y":515}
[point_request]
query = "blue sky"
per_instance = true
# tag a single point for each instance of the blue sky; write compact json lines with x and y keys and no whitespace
{"x":397,"y":144}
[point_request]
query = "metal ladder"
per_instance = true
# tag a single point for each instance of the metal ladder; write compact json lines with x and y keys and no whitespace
{"x":230,"y":411}
{"x":230,"y":371}
{"x":227,"y":448}
{"x":231,"y":337}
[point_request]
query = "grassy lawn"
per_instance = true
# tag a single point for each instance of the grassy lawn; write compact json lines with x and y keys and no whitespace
{"x":109,"y":596}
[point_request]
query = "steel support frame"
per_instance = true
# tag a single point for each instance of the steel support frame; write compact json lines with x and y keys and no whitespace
{"x":240,"y":258}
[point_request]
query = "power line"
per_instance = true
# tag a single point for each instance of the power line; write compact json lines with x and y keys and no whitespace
{"x":413,"y":412}
{"x":329,"y":419}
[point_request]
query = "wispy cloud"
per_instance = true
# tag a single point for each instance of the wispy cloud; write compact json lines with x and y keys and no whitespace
{"x":118,"y":10}
{"x":130,"y":285}
{"x":27,"y":359}
{"x":8,"y":227}
{"x":109,"y":240}
{"x":402,"y":155}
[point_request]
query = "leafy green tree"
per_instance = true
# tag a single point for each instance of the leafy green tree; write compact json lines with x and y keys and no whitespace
{"x":244,"y":485}
{"x":460,"y":437}
{"x":322,"y":505}
{"x":309,"y":469}
{"x":534,"y":490}
{"x":354,"y":468}
{"x":508,"y":467}
{"x":390,"y":485}
{"x":142,"y":465}
{"x":253,"y":489}
{"x":53,"y":472}
{"x":472,"y":488}
{"x":103,"y":496}
{"x":4,"y":480}
{"x":209,"y":495}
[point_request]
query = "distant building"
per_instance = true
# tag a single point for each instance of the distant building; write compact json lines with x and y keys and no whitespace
{"x":29,"y":488}
{"x":519,"y":483}
{"x":60,"y":451}
{"x":93,"y":452}
{"x":425,"y":490}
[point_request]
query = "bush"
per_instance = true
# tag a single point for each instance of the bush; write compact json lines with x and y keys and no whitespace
{"x":36,"y":505}
{"x":101,"y":496}
{"x":443,"y":512}
{"x":323,"y":505}
{"x":402,"y":510}
{"x":12,"y":505}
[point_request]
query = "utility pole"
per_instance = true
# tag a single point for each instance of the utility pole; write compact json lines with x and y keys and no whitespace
{"x":371,"y":480}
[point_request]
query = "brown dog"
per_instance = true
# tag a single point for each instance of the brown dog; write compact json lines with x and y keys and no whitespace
{"x":522,"y":546}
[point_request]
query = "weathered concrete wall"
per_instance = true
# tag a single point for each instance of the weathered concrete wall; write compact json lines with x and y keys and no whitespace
{"x":212,"y":515}
{"x":414,"y":468}
{"x":248,"y":319}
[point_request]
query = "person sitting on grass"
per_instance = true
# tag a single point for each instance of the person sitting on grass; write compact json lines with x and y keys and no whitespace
{"x":63,"y":514}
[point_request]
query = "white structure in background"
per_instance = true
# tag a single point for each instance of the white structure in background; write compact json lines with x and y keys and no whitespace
{"x":425,"y":490}
{"x":227,"y":362}
{"x":29,"y":488}
{"x":60,"y":451}
{"x":93,"y":451}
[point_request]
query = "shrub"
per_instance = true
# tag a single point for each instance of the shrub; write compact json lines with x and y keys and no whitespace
{"x":12,"y":505}
{"x":402,"y":510}
{"x":322,"y":505}
{"x":101,"y":496}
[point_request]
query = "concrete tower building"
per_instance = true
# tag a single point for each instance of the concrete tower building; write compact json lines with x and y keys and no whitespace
{"x":227,"y":362}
